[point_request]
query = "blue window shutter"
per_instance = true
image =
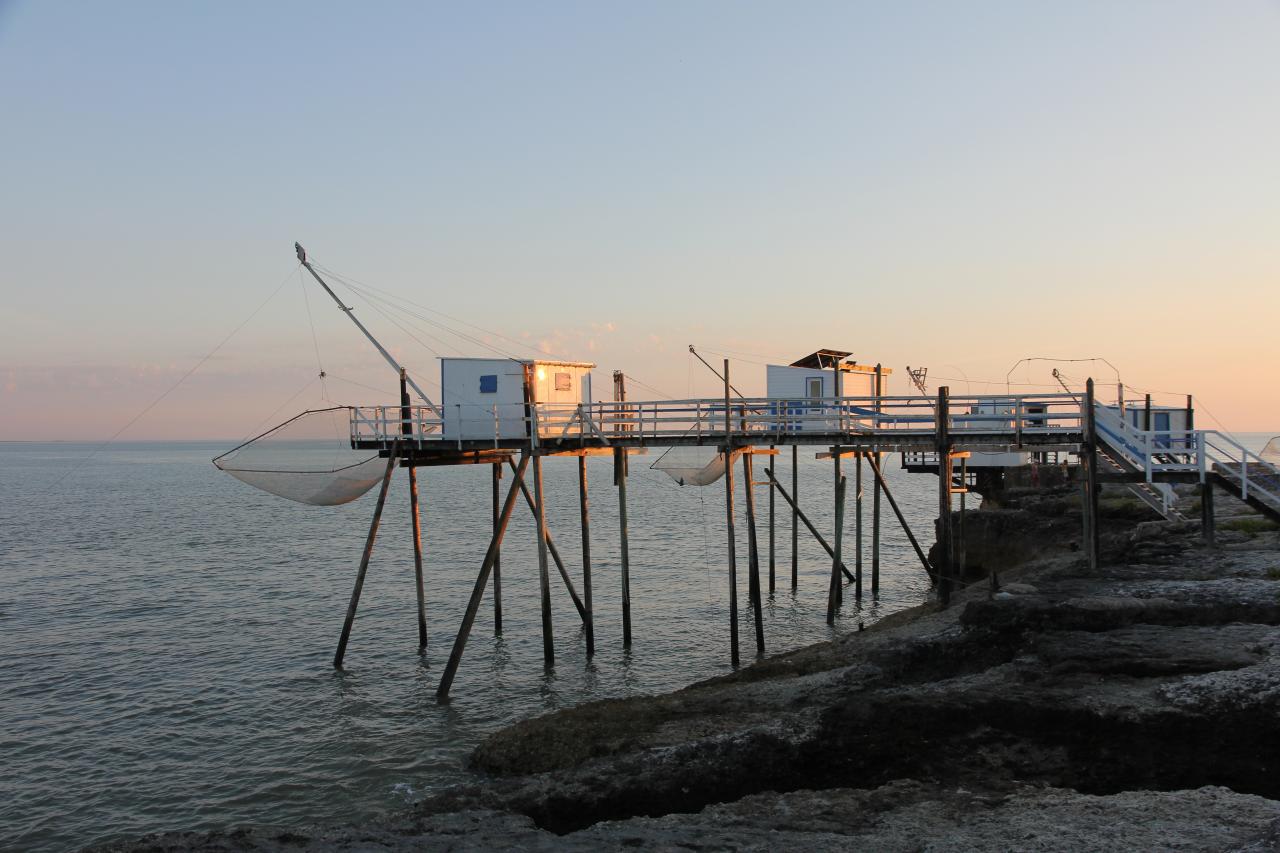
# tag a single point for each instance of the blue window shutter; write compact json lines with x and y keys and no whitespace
{"x":489,"y":384}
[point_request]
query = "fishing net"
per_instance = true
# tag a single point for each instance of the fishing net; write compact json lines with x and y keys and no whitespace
{"x":692,"y":466}
{"x":307,"y":459}
{"x":1271,"y":452}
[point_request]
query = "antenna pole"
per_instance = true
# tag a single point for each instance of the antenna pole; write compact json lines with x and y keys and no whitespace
{"x":302,"y":258}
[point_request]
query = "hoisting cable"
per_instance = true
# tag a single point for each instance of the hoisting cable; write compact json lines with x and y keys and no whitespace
{"x":347,"y":280}
{"x":324,"y":389}
{"x":94,"y":452}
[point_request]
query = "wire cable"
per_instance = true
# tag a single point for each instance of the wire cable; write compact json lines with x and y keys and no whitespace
{"x":96,"y":450}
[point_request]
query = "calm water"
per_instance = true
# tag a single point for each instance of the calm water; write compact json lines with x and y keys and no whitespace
{"x":166,"y":632}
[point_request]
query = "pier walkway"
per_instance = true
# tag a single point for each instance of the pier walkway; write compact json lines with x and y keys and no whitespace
{"x":941,"y":433}
{"x":982,"y":423}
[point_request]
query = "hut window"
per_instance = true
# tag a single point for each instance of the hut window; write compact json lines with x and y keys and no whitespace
{"x":489,"y":384}
{"x":813,"y":387}
{"x":564,"y":382}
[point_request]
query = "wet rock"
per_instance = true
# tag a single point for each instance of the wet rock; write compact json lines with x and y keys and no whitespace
{"x":1131,"y":708}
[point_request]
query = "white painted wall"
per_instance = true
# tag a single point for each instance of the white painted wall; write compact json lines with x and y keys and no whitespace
{"x":470,"y":413}
{"x":791,"y":383}
{"x":784,"y":382}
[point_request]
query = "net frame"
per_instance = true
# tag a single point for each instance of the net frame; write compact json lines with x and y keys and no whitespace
{"x":316,"y":485}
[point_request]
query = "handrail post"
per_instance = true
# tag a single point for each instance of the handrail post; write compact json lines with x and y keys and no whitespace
{"x":1200,"y":454}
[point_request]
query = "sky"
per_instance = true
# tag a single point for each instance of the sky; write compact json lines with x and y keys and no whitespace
{"x":960,"y":186}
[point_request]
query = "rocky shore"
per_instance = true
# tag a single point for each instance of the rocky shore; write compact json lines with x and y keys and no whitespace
{"x":1134,"y":708}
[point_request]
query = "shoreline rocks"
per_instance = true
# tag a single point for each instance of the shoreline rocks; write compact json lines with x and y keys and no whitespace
{"x":1134,"y":708}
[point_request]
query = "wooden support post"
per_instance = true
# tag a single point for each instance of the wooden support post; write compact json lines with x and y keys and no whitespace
{"x":620,"y":472}
{"x":857,"y":527}
{"x":961,"y":554}
{"x":809,"y":524}
{"x":833,"y":590}
{"x":795,"y":514}
{"x":586,"y":554}
{"x":364,"y":559}
{"x":482,"y":580}
{"x":554,"y":551}
{"x":620,"y":478}
{"x":906,"y":528}
{"x":753,"y":553}
{"x":943,"y":440}
{"x":772,"y":548}
{"x":406,"y":429}
{"x":875,"y":497}
{"x":544,"y":579}
{"x":417,"y":558}
{"x":497,"y":556}
{"x":837,"y":497}
{"x":1208,"y":520}
{"x":728,"y":503}
{"x":1091,"y":478}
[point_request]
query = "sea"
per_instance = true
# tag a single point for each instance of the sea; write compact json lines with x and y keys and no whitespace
{"x":167,"y":632}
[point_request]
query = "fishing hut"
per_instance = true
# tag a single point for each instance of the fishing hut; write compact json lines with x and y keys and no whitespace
{"x":512,"y":414}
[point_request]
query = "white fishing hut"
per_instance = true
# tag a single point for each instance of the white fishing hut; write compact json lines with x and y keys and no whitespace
{"x":484,"y":398}
{"x":824,"y":373}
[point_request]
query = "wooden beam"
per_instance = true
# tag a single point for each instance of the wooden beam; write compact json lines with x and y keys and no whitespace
{"x":753,"y":554}
{"x":596,"y":451}
{"x":772,"y":542}
{"x":857,"y":527}
{"x":809,"y":524}
{"x":406,"y":429}
{"x":728,"y":504}
{"x":586,"y":554}
{"x":552,"y":549}
{"x":833,"y":589}
{"x":906,"y":528}
{"x":417,"y":559}
{"x":482,"y":580}
{"x":795,"y":515}
{"x":544,"y":580}
{"x":838,"y":498}
{"x":875,"y":496}
{"x":497,"y":556}
{"x":364,"y":560}
{"x":942,"y":439}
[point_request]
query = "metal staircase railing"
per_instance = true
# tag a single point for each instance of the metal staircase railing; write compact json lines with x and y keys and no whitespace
{"x":1199,"y":452}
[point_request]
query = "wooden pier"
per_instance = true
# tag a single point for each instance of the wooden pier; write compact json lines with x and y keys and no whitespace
{"x":526,"y":419}
{"x":939,"y":433}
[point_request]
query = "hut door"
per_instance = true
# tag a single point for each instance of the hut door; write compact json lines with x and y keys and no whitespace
{"x":1161,"y":424}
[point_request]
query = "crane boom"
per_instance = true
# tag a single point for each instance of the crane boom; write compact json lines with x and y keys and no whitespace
{"x":350,"y":312}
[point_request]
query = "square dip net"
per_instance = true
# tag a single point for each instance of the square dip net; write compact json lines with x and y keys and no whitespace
{"x":308,"y":459}
{"x":692,"y":466}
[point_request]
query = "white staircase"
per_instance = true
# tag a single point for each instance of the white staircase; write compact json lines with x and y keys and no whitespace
{"x":1206,"y":454}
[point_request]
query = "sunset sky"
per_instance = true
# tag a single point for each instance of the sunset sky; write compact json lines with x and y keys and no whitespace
{"x":953,"y":185}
